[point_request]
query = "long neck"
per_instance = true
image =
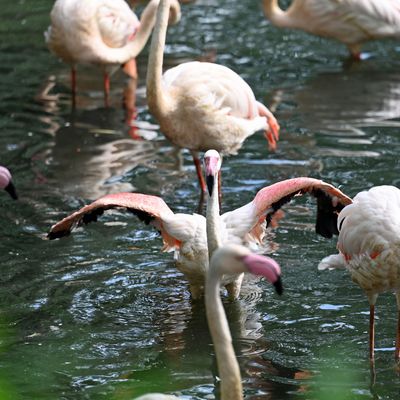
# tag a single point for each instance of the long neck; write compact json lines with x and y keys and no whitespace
{"x":228,"y":367}
{"x":155,"y":94}
{"x":275,"y":14}
{"x":147,"y":21}
{"x":213,"y":220}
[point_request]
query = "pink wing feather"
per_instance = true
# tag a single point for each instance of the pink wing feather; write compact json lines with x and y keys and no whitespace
{"x":148,"y":208}
{"x":330,"y":201}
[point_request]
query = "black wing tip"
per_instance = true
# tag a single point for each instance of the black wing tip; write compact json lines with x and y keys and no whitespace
{"x":58,"y":234}
{"x":278,"y":286}
{"x":10,"y":189}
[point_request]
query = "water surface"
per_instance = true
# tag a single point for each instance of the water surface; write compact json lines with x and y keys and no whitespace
{"x":103,"y":314}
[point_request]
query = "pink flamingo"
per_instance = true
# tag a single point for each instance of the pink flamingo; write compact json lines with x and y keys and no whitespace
{"x":351,"y":22}
{"x":6,"y":182}
{"x":368,"y":244}
{"x":228,"y":260}
{"x":201,"y":105}
{"x":186,"y":234}
{"x":102,"y":32}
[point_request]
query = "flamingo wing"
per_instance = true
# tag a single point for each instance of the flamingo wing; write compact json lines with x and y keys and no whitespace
{"x":214,"y":86}
{"x":375,"y":14}
{"x":150,"y":209}
{"x":249,"y":219}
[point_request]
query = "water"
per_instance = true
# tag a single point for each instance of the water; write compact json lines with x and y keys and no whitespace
{"x":103,"y":314}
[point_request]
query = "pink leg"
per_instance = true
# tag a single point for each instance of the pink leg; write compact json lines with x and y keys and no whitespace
{"x":371,"y":332}
{"x":73,"y":85}
{"x":199,"y":171}
{"x":397,"y":350}
{"x":220,"y":189}
{"x":272,"y":134}
{"x":106,"y":89}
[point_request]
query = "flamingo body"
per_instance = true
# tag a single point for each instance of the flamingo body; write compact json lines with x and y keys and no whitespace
{"x":351,"y":22}
{"x":85,"y":31}
{"x":369,"y":245}
{"x":201,"y":105}
{"x":210,"y":106}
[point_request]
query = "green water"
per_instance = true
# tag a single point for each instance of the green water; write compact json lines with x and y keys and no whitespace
{"x":103,"y":314}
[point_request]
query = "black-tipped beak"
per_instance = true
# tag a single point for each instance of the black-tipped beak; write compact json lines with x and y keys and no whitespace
{"x":278,"y":286}
{"x":10,"y":189}
{"x":210,"y":183}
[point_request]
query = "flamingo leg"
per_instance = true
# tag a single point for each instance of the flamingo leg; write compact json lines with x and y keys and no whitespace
{"x":371,"y":332}
{"x":106,"y":89}
{"x":199,"y":171}
{"x":220,"y":188}
{"x":397,"y":349}
{"x":73,"y":85}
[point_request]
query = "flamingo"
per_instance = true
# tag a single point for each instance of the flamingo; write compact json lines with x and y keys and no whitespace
{"x":351,"y":22}
{"x":186,"y":234}
{"x":103,"y":32}
{"x":6,"y":182}
{"x":228,"y":259}
{"x":201,"y":105}
{"x":368,"y":244}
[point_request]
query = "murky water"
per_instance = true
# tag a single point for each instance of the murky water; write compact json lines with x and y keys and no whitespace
{"x":103,"y":314}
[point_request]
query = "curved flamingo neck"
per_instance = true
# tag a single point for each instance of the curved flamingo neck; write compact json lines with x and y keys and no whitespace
{"x":228,"y":367}
{"x":155,"y":93}
{"x":275,"y":14}
{"x":213,"y":220}
{"x":147,"y":21}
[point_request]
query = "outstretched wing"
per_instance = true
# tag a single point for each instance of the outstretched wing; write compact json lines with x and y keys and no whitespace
{"x":266,"y":203}
{"x":149,"y":209}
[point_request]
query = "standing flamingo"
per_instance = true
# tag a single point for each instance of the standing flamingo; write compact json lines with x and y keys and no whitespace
{"x":228,"y":260}
{"x":351,"y":22}
{"x":201,"y":105}
{"x":102,"y":32}
{"x":187,"y":234}
{"x":6,"y":182}
{"x":369,"y":248}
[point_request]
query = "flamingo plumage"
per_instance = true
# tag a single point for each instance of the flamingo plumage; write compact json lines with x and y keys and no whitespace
{"x":186,"y":234}
{"x":6,"y":182}
{"x":352,"y":22}
{"x":369,"y":248}
{"x":102,"y":32}
{"x":201,"y":105}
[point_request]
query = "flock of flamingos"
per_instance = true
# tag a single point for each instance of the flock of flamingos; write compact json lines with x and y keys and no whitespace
{"x":206,"y":107}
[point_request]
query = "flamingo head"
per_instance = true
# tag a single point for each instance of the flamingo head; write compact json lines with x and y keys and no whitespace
{"x":237,"y":259}
{"x":6,"y":183}
{"x":212,"y":166}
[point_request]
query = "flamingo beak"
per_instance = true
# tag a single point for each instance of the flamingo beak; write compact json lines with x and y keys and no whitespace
{"x":278,"y":286}
{"x":211,"y":168}
{"x":10,"y":189}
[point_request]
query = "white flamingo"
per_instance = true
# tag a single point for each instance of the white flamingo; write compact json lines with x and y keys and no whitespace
{"x":369,"y":248}
{"x":229,"y":259}
{"x":102,"y":32}
{"x":201,"y":105}
{"x":6,"y":182}
{"x":187,"y":234}
{"x":351,"y":22}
